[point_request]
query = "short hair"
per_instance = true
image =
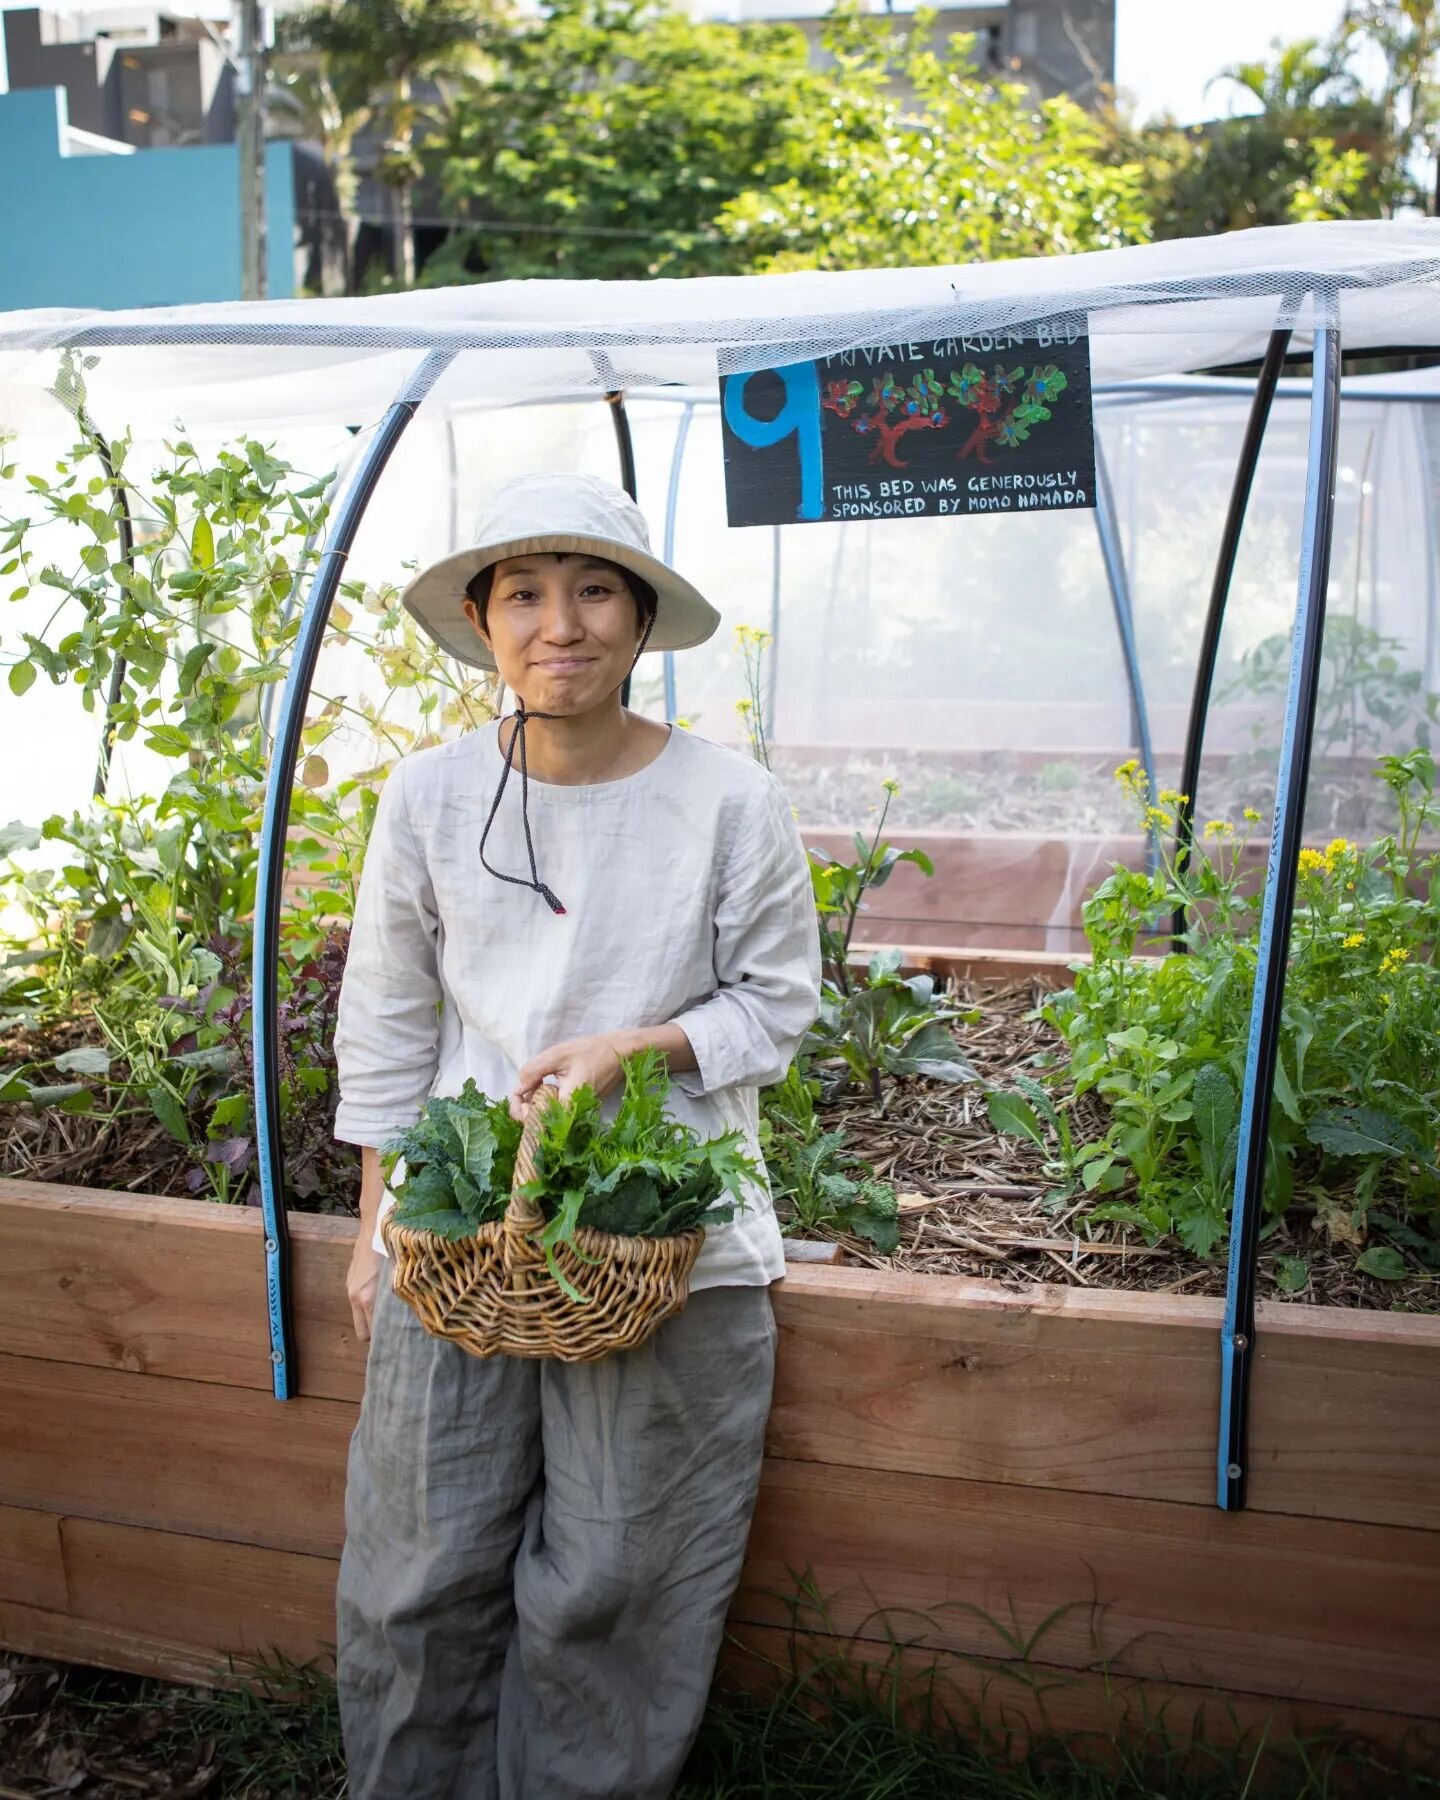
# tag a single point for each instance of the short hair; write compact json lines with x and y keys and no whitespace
{"x":478,"y":588}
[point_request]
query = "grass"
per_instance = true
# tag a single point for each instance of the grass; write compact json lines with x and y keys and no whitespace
{"x":838,"y":1733}
{"x":835,"y":1732}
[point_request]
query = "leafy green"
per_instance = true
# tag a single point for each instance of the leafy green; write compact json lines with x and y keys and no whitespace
{"x":459,"y":1164}
{"x":816,"y":1182}
{"x":643,"y":1175}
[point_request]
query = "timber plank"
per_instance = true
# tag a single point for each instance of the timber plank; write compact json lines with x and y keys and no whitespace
{"x":32,"y":1565}
{"x":1039,"y":1701}
{"x":60,"y":1637}
{"x":169,"y":1287}
{"x":1107,"y":1393}
{"x":1331,"y":1613}
{"x":1093,"y":1391}
{"x":185,"y":1456}
{"x":205,"y":1593}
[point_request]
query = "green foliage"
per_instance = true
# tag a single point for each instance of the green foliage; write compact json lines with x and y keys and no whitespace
{"x":886,"y":1025}
{"x":608,"y":137}
{"x":643,"y":1175}
{"x":816,"y":1183}
{"x":459,"y":1164}
{"x":914,"y":157}
{"x":1310,"y":149}
{"x":1368,"y":700}
{"x":1030,"y":1113}
{"x":137,"y":927}
{"x":840,"y":888}
{"x":1357,"y":1087}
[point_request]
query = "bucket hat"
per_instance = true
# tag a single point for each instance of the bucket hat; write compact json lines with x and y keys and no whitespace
{"x":577,"y":515}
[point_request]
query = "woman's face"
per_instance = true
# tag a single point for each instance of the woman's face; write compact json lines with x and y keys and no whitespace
{"x":563,"y":630}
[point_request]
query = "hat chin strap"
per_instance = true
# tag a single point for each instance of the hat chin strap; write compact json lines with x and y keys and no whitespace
{"x":523,"y":715}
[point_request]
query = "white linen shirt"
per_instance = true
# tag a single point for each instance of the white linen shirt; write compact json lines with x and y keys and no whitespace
{"x":688,"y":902}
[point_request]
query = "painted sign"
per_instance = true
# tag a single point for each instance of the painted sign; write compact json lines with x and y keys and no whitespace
{"x":991,"y":422}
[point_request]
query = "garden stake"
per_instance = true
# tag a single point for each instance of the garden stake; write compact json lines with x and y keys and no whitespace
{"x":672,"y":503}
{"x":1107,"y":525}
{"x":1215,"y":616}
{"x":625,"y":444}
{"x":1237,"y":1337}
{"x":265,"y":985}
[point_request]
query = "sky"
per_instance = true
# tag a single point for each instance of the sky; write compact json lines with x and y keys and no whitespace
{"x":1166,"y":50}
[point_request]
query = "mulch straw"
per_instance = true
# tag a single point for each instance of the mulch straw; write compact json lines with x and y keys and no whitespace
{"x":973,"y":1201}
{"x":977,"y":1200}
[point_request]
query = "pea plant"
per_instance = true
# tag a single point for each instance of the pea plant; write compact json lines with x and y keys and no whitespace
{"x":1353,"y":1133}
{"x":137,"y":926}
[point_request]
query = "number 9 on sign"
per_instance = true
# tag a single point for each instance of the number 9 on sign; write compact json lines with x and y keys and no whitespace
{"x":798,"y":417}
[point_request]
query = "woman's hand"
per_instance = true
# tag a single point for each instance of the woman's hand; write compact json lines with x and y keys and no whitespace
{"x":362,"y":1278}
{"x":362,"y":1284}
{"x":595,"y":1062}
{"x":583,"y":1062}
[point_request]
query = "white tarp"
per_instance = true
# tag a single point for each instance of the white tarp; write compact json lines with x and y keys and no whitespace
{"x":1153,"y":309}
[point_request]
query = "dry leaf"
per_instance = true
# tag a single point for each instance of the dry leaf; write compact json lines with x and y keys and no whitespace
{"x":65,"y":1768}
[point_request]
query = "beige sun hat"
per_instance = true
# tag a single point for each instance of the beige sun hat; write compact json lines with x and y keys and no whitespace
{"x":578,"y":515}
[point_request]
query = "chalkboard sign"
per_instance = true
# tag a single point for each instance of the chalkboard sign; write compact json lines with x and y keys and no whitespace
{"x":993,"y":422}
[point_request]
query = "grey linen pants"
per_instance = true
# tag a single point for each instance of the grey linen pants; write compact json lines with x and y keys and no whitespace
{"x":539,"y":1557}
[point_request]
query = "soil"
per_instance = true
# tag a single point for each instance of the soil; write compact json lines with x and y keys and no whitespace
{"x":67,"y":1729}
{"x":974,"y":1202}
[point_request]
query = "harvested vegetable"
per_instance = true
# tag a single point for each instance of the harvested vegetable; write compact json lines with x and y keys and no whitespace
{"x":642,"y":1175}
{"x":459,"y":1164}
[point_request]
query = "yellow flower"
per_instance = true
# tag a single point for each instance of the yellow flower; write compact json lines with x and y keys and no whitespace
{"x":1250,"y":816}
{"x":1337,"y":847}
{"x":1169,"y":797}
{"x":1218,"y":828}
{"x":1392,"y":959}
{"x":1312,"y":862}
{"x":891,"y":786}
{"x":1127,"y":769}
{"x":686,"y":724}
{"x":744,"y":708}
{"x":1387,"y":999}
{"x":1354,"y":941}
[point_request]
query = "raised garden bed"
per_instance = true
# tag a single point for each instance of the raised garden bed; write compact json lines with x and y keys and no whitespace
{"x":1022,"y":1473}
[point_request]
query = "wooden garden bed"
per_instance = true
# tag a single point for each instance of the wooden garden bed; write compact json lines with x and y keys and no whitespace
{"x":1012,"y":891}
{"x":950,"y":1449}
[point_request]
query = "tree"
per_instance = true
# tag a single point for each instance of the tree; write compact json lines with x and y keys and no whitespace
{"x":1406,"y":34}
{"x":608,"y":136}
{"x":917,"y":158}
{"x":309,"y":97}
{"x":620,"y":137}
{"x":373,"y":54}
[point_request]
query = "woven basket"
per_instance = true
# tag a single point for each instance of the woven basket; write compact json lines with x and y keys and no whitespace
{"x":493,"y":1294}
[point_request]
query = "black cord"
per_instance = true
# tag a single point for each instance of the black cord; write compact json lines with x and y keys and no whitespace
{"x":523,"y":716}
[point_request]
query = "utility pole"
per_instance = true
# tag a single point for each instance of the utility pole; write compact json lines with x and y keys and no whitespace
{"x":250,"y":142}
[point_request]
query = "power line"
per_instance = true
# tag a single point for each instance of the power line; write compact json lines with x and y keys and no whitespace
{"x":503,"y":228}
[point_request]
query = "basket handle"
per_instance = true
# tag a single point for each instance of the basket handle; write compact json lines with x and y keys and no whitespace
{"x":522,"y":1213}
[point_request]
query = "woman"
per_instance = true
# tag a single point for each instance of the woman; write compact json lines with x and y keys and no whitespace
{"x":539,"y":1556}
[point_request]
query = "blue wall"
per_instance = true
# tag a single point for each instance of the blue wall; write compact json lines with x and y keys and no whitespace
{"x":157,"y":228}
